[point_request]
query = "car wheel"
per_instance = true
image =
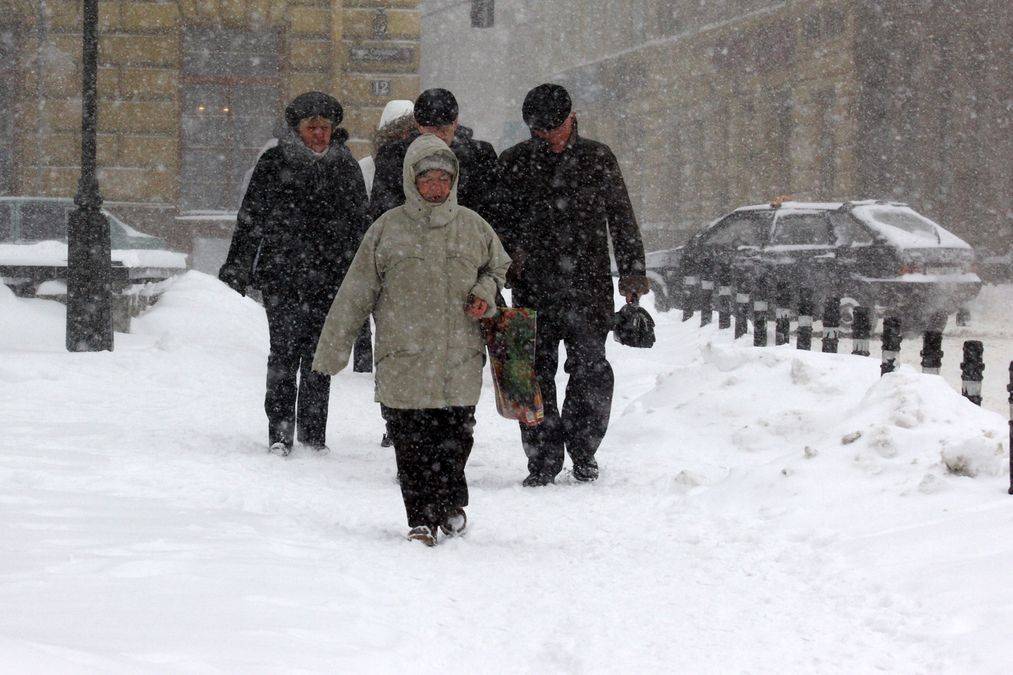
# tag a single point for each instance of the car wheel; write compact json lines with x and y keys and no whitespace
{"x":848,"y":305}
{"x":848,"y":312}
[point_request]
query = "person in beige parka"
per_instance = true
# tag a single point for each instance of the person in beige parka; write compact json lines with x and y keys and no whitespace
{"x":427,"y":271}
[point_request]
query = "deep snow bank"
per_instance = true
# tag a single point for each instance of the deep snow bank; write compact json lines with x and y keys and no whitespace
{"x":29,"y":325}
{"x":794,"y":422}
{"x":198,"y":312}
{"x":759,"y":509}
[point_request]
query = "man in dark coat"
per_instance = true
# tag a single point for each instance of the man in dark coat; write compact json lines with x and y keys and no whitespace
{"x":299,"y":226}
{"x":559,"y":197}
{"x":436,"y":112}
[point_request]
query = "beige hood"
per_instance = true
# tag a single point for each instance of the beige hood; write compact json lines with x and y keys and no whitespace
{"x":417,"y":207}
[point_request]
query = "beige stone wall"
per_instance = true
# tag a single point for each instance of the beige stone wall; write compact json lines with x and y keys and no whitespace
{"x":731,"y":111}
{"x":935,"y":113}
{"x":711,"y":105}
{"x":372,"y":29}
{"x":140,"y":51}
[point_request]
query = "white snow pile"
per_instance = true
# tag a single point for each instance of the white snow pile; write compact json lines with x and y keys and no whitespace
{"x":29,"y":325}
{"x":200,"y":314}
{"x":762,"y":510}
{"x":905,"y":431}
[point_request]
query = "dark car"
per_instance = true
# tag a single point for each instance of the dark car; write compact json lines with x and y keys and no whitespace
{"x":868,"y":253}
{"x":33,"y":245}
{"x":33,"y":255}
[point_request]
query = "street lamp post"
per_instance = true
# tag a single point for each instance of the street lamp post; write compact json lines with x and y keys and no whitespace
{"x":89,"y":317}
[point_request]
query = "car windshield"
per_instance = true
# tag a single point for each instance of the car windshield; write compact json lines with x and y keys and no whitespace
{"x":122,"y":236}
{"x":44,"y":221}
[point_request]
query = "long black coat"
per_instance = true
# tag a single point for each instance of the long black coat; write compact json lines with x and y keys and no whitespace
{"x":301,"y":221}
{"x":554,"y":213}
{"x":474,"y":186}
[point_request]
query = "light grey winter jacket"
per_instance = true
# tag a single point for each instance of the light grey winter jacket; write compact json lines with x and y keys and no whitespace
{"x":414,"y":271}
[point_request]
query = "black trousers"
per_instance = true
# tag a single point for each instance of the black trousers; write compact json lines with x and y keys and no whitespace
{"x":297,"y":396}
{"x":432,"y":446}
{"x":587,"y":403}
{"x":362,"y":353}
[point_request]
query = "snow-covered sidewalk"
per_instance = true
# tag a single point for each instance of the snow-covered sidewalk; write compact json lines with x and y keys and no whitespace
{"x":759,"y":510}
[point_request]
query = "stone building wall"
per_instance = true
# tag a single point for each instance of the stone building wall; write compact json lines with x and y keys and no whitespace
{"x":713,"y":105}
{"x":362,"y":51}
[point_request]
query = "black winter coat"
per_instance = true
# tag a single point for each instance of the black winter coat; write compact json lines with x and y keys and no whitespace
{"x":554,"y":214}
{"x":301,"y":221}
{"x":478,"y":173}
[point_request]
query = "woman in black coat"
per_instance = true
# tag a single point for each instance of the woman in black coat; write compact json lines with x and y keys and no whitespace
{"x":298,"y":229}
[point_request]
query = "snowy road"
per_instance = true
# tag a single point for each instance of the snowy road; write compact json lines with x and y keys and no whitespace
{"x":759,"y":510}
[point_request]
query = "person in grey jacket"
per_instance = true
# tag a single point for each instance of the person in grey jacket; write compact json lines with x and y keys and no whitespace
{"x":427,"y":271}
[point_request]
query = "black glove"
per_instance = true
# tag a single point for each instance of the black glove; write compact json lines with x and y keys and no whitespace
{"x":516,"y":269}
{"x":234,"y":278}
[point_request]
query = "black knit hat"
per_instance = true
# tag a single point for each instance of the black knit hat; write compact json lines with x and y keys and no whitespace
{"x":435,"y":108}
{"x":313,"y":104}
{"x":546,"y":107}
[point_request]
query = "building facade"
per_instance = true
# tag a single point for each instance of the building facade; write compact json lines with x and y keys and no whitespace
{"x":713,"y":105}
{"x":190,"y":91}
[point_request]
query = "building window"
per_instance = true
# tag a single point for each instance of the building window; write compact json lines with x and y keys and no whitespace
{"x":7,"y":79}
{"x":826,"y":147}
{"x":231,"y":98}
{"x":823,"y":24}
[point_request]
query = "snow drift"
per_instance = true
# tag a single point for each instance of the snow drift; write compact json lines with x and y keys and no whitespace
{"x":759,"y":509}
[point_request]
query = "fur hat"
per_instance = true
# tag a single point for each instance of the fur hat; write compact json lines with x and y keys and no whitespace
{"x":546,"y":107}
{"x":313,"y":104}
{"x":435,"y":108}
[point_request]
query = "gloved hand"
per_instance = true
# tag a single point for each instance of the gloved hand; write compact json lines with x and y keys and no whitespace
{"x":634,"y":286}
{"x":234,"y":278}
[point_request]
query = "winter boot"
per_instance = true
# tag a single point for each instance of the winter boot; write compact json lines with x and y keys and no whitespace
{"x":586,"y":472}
{"x":422,"y":533}
{"x":455,"y":522}
{"x":281,"y":449}
{"x":385,"y":442}
{"x":536,"y":479}
{"x":319,"y":448}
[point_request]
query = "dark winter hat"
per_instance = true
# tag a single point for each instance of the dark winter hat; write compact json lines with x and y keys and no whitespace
{"x":313,"y":104}
{"x":546,"y":107}
{"x":435,"y":108}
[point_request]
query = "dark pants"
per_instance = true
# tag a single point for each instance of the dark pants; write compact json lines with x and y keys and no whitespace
{"x":432,"y":446}
{"x":295,"y":319}
{"x":362,"y":353}
{"x":588,"y":399}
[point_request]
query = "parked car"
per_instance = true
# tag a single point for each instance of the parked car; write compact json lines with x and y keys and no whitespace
{"x":995,"y":268}
{"x":869,"y":253}
{"x":33,"y":255}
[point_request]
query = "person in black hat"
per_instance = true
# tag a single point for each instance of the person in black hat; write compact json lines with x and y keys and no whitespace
{"x":436,"y":112}
{"x":558,"y":200}
{"x":300,"y":223}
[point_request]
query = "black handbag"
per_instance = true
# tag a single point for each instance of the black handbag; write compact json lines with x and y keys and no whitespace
{"x":633,"y":326}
